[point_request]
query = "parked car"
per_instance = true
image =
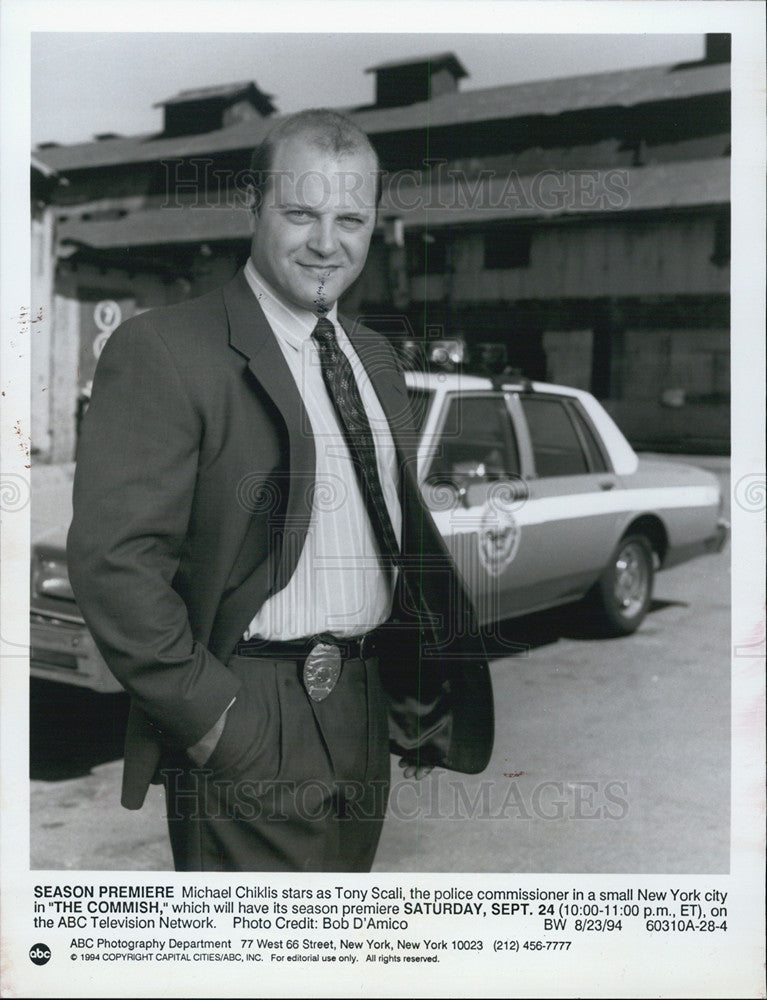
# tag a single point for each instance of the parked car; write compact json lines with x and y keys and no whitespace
{"x":543,"y":501}
{"x":540,"y":499}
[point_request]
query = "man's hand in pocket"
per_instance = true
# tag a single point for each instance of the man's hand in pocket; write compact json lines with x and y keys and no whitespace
{"x":413,"y":770}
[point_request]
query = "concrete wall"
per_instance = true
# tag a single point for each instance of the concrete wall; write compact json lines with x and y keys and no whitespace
{"x":680,"y":366}
{"x":67,"y":343}
{"x":57,"y":353}
{"x":672,"y":389}
{"x":42,"y":277}
{"x":568,"y":357}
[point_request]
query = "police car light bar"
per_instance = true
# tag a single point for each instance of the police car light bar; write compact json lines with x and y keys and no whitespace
{"x":454,"y":354}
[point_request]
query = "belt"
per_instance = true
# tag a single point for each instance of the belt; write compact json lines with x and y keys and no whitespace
{"x":320,"y":656}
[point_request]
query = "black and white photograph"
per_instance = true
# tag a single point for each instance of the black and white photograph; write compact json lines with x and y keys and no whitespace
{"x":383,"y":498}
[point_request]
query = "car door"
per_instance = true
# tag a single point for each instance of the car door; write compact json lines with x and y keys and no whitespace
{"x":569,"y":523}
{"x":472,"y":484}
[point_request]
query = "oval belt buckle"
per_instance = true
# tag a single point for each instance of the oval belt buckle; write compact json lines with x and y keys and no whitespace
{"x":322,"y":668}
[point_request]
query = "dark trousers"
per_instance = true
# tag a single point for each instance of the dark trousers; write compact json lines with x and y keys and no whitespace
{"x":313,"y":797}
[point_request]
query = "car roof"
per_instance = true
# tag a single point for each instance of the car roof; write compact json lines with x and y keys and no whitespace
{"x":459,"y":381}
{"x":444,"y":380}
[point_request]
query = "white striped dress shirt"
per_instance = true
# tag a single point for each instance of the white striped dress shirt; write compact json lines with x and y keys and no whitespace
{"x":338,"y":585}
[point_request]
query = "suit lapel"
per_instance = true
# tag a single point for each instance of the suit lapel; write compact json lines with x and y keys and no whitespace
{"x":252,"y":337}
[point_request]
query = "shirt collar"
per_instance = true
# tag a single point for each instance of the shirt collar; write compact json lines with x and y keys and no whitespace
{"x":293,"y":324}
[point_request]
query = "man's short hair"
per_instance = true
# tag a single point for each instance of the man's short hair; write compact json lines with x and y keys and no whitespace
{"x":327,"y":130}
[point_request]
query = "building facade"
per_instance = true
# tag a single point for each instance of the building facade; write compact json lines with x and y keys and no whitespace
{"x":582,"y":223}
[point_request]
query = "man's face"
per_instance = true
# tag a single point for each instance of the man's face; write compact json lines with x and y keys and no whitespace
{"x":313,"y":228}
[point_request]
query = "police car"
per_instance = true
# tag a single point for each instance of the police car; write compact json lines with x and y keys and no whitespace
{"x":540,"y":499}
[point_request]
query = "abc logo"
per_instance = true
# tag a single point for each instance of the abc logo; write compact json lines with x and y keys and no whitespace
{"x":40,"y":954}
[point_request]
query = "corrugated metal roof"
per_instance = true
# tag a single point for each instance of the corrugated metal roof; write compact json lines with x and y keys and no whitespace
{"x":42,"y":168}
{"x":149,"y":148}
{"x":626,"y":88}
{"x":158,"y":226}
{"x":560,"y":193}
{"x":670,"y":185}
{"x":543,"y":97}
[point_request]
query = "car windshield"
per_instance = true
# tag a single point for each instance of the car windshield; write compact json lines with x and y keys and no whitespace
{"x":420,"y":401}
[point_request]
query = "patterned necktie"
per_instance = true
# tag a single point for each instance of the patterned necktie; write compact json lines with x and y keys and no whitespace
{"x":345,"y":396}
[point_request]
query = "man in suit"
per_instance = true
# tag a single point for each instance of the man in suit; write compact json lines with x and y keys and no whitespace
{"x":250,"y":550}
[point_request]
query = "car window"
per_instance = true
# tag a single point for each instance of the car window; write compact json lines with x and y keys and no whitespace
{"x":589,"y":438}
{"x":557,"y":449}
{"x":476,"y":441}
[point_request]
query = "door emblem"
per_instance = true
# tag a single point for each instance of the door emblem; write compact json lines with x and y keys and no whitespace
{"x":498,"y":537}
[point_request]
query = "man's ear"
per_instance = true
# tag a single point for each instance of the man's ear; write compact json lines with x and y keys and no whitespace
{"x":252,"y":199}
{"x":252,"y":203}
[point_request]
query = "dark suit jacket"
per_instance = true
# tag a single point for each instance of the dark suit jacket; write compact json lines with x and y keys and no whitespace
{"x":192,"y":500}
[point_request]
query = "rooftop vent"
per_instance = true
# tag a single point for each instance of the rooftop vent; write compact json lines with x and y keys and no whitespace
{"x":206,"y":109}
{"x":718,"y":48}
{"x":409,"y":81}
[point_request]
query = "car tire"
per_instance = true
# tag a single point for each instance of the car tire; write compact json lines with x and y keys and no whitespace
{"x":623,"y":593}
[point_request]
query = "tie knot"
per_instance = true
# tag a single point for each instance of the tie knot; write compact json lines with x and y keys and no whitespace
{"x":324,"y":333}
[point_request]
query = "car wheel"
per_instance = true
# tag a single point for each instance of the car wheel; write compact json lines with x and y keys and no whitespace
{"x":624,"y":591}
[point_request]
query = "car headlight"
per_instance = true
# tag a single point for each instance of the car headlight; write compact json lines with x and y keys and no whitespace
{"x":50,"y":577}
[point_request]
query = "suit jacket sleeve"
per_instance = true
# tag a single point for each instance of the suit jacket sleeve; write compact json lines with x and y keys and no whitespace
{"x":134,"y":484}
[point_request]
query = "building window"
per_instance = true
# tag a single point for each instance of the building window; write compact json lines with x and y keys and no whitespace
{"x":721,"y":255}
{"x":426,"y":254}
{"x":507,"y":247}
